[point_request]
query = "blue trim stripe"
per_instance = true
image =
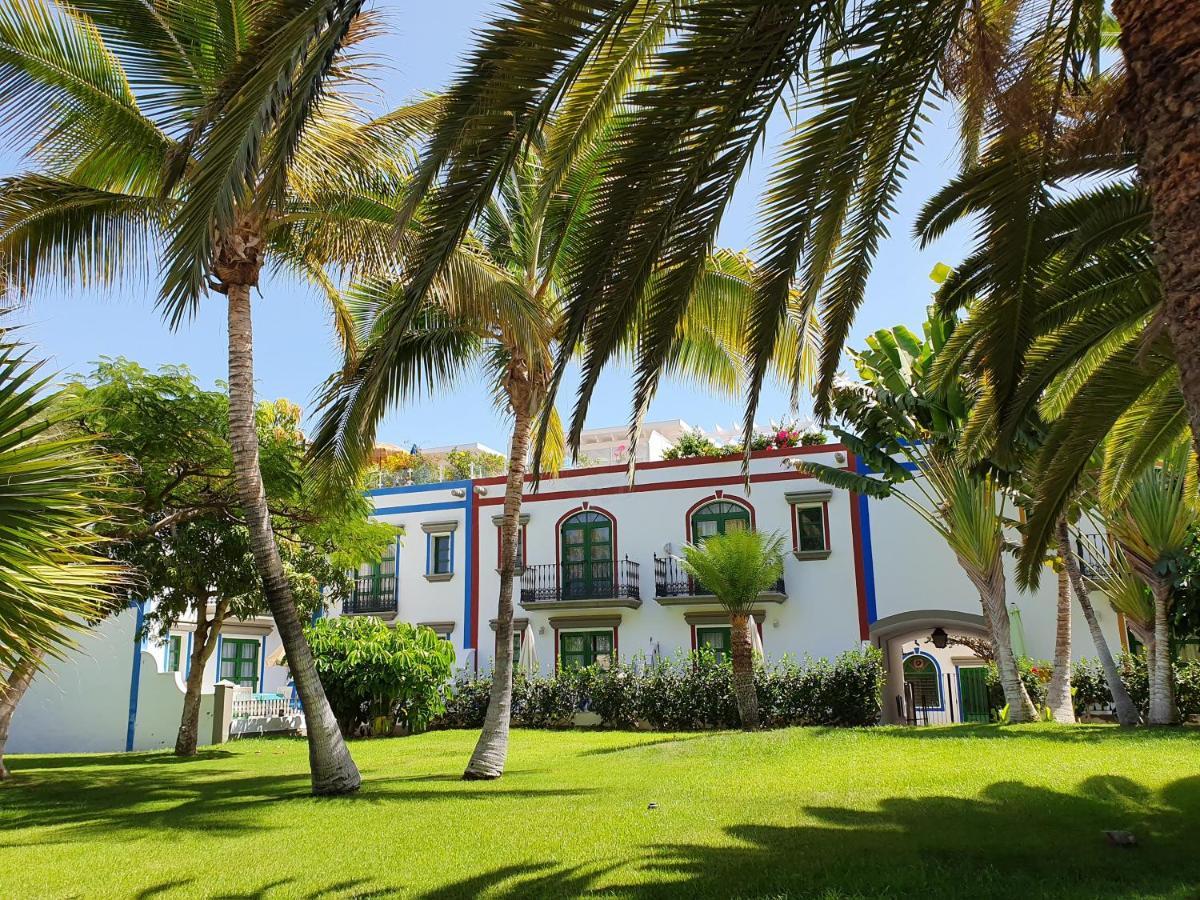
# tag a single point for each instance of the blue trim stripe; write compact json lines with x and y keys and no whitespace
{"x":419,"y":488}
{"x":135,"y":676}
{"x":868,"y":558}
{"x":469,"y":579}
{"x":419,"y":507}
{"x":220,"y":650}
{"x":396,"y":573}
{"x":187,"y":666}
{"x":940,"y":683}
{"x":428,"y":553}
{"x":262,"y":665}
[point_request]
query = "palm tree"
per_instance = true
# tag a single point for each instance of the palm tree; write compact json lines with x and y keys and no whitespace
{"x":1058,"y":691}
{"x":1151,"y":527}
{"x":737,"y":567}
{"x":497,"y":305}
{"x":868,"y":72}
{"x":142,"y":143}
{"x":54,"y":577}
{"x":899,"y":411}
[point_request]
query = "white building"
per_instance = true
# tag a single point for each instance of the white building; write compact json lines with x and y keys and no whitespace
{"x":601,"y":576}
{"x":608,"y":446}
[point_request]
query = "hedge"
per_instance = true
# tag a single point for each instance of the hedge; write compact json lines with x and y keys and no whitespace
{"x":686,"y":693}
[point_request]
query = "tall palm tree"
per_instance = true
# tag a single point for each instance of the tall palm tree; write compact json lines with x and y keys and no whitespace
{"x":737,"y":567}
{"x":1151,"y":526}
{"x":867,"y":73}
{"x":54,"y":578}
{"x":898,"y":411}
{"x":141,"y":143}
{"x":497,"y":304}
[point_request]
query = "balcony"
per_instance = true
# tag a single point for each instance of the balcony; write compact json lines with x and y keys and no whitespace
{"x":587,"y":585}
{"x":1095,"y":555}
{"x":372,"y":595}
{"x":675,"y":587}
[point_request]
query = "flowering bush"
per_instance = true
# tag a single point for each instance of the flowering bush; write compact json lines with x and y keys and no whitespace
{"x":1090,"y":688}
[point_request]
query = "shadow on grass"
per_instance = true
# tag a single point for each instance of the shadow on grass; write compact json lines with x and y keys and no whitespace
{"x":1042,"y":731}
{"x":33,"y":763}
{"x":655,"y":742}
{"x":358,"y":888}
{"x":1013,"y":840}
{"x":80,"y":798}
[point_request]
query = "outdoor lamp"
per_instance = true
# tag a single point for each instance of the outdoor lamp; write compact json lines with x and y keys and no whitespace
{"x":939,"y":638}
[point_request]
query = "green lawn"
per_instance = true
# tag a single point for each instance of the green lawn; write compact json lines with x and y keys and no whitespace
{"x":966,"y":811}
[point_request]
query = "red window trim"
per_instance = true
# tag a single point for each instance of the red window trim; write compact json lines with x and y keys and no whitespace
{"x":713,"y":498}
{"x":796,"y":526}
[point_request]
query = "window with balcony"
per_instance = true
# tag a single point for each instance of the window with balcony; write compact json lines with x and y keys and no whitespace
{"x":718,"y":517}
{"x":374,"y":590}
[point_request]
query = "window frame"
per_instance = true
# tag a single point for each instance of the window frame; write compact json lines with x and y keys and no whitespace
{"x":522,"y":542}
{"x":434,"y":532}
{"x":237,"y":642}
{"x":175,"y":650}
{"x":724,"y":654}
{"x":807,"y":500}
{"x":589,"y":655}
{"x":935,"y":675}
{"x":696,"y":515}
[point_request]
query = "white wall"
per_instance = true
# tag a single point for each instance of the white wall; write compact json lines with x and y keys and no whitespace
{"x":81,"y":704}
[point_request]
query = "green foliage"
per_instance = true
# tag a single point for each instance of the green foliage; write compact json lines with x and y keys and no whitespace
{"x":1035,"y":675}
{"x":1089,"y":687}
{"x":372,"y":671}
{"x":736,"y":566}
{"x":688,"y":693}
{"x":179,"y":523}
{"x":55,"y":489}
{"x":690,"y":444}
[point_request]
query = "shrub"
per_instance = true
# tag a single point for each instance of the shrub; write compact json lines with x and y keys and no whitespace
{"x":1035,"y":675}
{"x":686,"y":693}
{"x":381,"y":676}
{"x":1090,"y":687}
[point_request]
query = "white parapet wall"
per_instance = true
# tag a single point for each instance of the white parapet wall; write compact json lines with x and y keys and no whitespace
{"x":91,"y":701}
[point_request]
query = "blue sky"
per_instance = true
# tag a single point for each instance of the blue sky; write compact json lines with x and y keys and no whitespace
{"x":295,"y":347}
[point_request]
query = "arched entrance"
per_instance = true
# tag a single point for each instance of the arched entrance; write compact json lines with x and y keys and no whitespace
{"x":935,"y":673}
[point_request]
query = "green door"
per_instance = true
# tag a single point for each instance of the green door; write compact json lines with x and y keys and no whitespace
{"x":973,"y":694}
{"x":587,"y":557}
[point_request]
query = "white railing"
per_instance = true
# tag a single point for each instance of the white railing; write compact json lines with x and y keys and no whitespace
{"x":249,"y":705}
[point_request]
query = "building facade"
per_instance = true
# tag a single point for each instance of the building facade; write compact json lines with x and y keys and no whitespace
{"x":600,"y":577}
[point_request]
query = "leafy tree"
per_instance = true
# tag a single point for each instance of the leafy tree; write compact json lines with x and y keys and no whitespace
{"x":381,"y":675}
{"x":498,"y":307}
{"x":692,"y":443}
{"x":54,"y":575}
{"x":1152,"y":528}
{"x":223,"y":136}
{"x":898,"y":411}
{"x":180,"y":526}
{"x":736,"y":567}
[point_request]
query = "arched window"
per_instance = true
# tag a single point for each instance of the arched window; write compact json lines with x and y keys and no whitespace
{"x":719,"y":517}
{"x":921,"y":672}
{"x":587,"y":555}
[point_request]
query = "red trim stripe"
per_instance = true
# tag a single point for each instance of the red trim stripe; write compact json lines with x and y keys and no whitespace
{"x":654,"y":486}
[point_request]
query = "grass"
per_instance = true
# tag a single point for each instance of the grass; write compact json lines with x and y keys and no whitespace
{"x":966,"y":811}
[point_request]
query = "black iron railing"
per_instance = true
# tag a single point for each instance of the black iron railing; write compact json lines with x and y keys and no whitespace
{"x":1094,"y":553}
{"x":670,"y":580}
{"x":598,"y":580}
{"x":372,"y":594}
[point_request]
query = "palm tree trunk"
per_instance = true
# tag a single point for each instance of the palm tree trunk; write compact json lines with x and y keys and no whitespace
{"x":14,"y":689}
{"x":333,"y":771}
{"x":995,"y":611}
{"x":742,"y":649}
{"x":1160,"y":40}
{"x":204,"y":642}
{"x":1058,"y":692}
{"x":1162,"y":688}
{"x":491,"y":750}
{"x":1127,"y":713}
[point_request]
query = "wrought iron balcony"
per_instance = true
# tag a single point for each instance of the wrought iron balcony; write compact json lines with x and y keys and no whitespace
{"x":672,"y":584}
{"x":584,"y":584}
{"x":372,"y":594}
{"x":1095,"y":554}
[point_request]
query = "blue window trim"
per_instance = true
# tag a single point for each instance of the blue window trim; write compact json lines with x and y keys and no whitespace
{"x":220,"y":648}
{"x":187,"y":665}
{"x":941,"y":687}
{"x":262,"y":664}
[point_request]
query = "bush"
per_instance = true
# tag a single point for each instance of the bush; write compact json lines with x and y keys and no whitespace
{"x":686,"y":693}
{"x":1090,"y":687}
{"x":381,"y":676}
{"x":1035,"y":675}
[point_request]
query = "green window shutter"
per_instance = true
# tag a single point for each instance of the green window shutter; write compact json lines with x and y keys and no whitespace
{"x":579,"y":649}
{"x":717,"y":639}
{"x":719,"y":517}
{"x":174,"y":650}
{"x":239,"y":661}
